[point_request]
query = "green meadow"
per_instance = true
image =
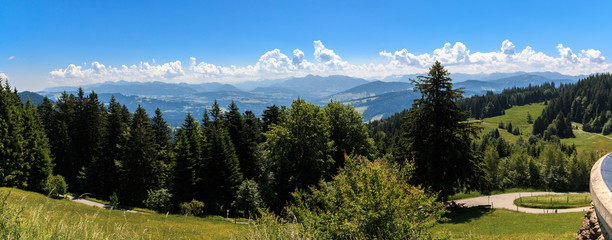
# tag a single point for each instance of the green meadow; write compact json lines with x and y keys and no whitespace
{"x":46,"y":218}
{"x":479,"y":224}
{"x":555,"y":201}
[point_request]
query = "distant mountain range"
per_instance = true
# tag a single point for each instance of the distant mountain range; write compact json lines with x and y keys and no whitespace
{"x":374,"y":99}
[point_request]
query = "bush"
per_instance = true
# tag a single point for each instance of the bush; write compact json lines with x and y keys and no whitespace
{"x":158,"y":200}
{"x":368,"y":200}
{"x":194,"y":208}
{"x":247,"y":199}
{"x":114,"y":200}
{"x":55,"y":186}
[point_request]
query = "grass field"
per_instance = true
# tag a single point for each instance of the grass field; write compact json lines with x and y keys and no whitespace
{"x":46,"y":218}
{"x":503,"y":224}
{"x":555,"y":201}
{"x":518,"y":117}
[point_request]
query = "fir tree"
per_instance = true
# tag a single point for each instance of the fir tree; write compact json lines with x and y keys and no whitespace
{"x":437,"y":138}
{"x":138,"y":168}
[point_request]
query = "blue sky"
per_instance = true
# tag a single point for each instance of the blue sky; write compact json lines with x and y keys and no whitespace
{"x":49,"y":43}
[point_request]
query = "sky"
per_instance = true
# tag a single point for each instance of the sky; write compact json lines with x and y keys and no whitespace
{"x":59,"y":43}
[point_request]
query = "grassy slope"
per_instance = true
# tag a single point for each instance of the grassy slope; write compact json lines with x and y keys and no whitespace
{"x":518,"y":116}
{"x":67,"y":218}
{"x":504,"y":224}
{"x":584,"y":141}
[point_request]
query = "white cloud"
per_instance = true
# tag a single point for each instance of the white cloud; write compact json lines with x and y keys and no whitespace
{"x":275,"y":64}
{"x":11,"y":57}
{"x":327,"y":57}
{"x":508,"y":47}
{"x":3,"y":77}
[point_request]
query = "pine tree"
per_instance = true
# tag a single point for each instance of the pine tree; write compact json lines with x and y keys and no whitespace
{"x":242,"y":141}
{"x":12,"y":144}
{"x":223,"y":174}
{"x":162,"y":148}
{"x":270,"y":116}
{"x":437,"y":138}
{"x":187,"y":155}
{"x":117,"y":134}
{"x":37,"y":155}
{"x":138,"y":172}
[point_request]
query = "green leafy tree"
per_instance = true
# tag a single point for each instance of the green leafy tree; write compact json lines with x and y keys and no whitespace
{"x":368,"y":200}
{"x":159,"y":200}
{"x":55,"y":186}
{"x":296,"y":151}
{"x":438,"y":140}
{"x":248,"y":200}
{"x":347,"y":131}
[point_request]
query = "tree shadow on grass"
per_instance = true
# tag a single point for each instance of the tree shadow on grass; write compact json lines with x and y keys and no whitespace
{"x":463,"y":215}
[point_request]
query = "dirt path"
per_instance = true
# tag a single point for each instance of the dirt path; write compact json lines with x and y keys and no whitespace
{"x":95,"y":204}
{"x":506,"y":201}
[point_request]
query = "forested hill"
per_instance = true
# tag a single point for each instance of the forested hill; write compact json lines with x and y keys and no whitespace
{"x":588,"y":102}
{"x":388,"y":130}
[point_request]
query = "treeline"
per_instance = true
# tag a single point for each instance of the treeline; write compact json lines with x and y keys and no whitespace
{"x":224,"y":159}
{"x":533,"y":163}
{"x":588,"y":102}
{"x":490,"y":104}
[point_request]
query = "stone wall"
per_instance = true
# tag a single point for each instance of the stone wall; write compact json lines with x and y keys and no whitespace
{"x":590,"y":228}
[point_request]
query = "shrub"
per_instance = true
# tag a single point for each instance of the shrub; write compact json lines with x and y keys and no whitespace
{"x":194,"y":208}
{"x":247,"y":199}
{"x":55,"y":186}
{"x":114,"y":200}
{"x":368,"y":200}
{"x":158,"y":200}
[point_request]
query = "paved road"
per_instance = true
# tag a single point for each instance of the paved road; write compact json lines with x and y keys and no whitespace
{"x":95,"y":204}
{"x":507,"y":201}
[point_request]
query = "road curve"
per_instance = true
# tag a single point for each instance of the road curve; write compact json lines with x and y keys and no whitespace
{"x":506,"y":201}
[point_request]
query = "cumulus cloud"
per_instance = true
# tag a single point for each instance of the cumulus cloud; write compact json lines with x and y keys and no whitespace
{"x":11,"y":57}
{"x":275,"y":64}
{"x":98,"y":72}
{"x":3,"y":77}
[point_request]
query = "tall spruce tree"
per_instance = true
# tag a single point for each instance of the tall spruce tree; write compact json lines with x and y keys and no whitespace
{"x":138,"y":168}
{"x":437,"y":139}
{"x":162,"y":147}
{"x":270,"y":116}
{"x":187,"y":155}
{"x":12,"y":143}
{"x":244,"y":142}
{"x":37,"y":155}
{"x":117,"y":133}
{"x":223,"y":175}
